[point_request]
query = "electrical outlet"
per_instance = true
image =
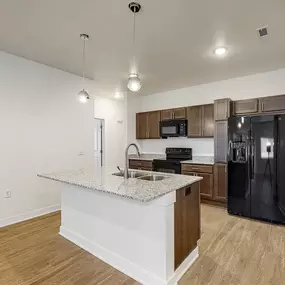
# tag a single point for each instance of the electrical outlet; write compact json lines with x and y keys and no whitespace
{"x":7,"y":193}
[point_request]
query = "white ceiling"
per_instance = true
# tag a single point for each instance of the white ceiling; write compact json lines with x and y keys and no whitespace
{"x":175,"y":39}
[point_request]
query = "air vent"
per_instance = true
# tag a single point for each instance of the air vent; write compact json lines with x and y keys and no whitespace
{"x":263,"y":32}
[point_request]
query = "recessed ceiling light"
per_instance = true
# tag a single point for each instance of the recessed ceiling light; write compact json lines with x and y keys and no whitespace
{"x":220,"y":51}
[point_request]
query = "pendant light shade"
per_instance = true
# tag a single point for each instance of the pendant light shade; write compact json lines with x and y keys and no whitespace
{"x":134,"y":83}
{"x":83,"y":95}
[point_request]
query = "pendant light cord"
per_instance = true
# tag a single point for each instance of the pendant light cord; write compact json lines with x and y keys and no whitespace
{"x":134,"y":42}
{"x":83,"y":61}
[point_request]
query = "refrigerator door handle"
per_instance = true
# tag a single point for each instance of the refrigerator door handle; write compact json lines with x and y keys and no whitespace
{"x":252,"y":159}
{"x":230,"y":150}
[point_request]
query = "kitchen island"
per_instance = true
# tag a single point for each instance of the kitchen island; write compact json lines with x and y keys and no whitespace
{"x":147,"y":227}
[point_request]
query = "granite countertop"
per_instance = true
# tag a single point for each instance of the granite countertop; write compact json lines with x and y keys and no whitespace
{"x":101,"y":179}
{"x":200,"y":160}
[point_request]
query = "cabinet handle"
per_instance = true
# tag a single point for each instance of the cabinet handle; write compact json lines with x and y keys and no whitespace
{"x":195,"y":168}
{"x":187,"y":191}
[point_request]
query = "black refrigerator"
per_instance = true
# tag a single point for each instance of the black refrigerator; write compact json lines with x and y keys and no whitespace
{"x":256,"y":167}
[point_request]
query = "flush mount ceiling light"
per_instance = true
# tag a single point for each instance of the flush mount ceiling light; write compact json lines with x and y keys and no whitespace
{"x":83,"y":95}
{"x":220,"y":51}
{"x":134,"y":82}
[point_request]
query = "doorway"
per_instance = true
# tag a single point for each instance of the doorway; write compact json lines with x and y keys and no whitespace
{"x":99,"y":142}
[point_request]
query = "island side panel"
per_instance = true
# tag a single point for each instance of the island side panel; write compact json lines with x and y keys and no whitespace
{"x":136,"y":238}
{"x":187,"y":227}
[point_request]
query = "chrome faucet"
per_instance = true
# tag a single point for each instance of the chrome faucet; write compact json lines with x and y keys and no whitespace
{"x":126,"y":176}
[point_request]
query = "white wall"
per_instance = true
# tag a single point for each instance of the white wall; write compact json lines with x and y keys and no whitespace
{"x":43,"y":129}
{"x":258,"y":85}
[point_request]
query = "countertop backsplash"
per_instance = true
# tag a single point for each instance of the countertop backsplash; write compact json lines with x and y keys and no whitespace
{"x":200,"y":146}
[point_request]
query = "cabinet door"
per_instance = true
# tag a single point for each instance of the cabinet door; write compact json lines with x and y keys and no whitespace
{"x":153,"y":131}
{"x":179,"y":113}
{"x":220,"y":182}
{"x":222,"y":109}
{"x":206,"y":185}
{"x":271,"y":104}
{"x":194,"y":116}
{"x":166,"y":114}
{"x":141,"y":125}
{"x":208,"y":123}
{"x":221,"y":141}
{"x":246,"y":106}
{"x":187,"y":225}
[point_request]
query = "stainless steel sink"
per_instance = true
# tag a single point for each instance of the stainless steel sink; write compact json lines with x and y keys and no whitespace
{"x":131,"y":174}
{"x":153,"y":177}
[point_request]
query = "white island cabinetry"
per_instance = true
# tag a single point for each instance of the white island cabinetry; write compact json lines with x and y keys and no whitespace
{"x":138,"y":227}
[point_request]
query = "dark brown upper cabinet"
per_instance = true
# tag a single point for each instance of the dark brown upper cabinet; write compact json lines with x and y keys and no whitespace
{"x":208,"y":123}
{"x":147,"y":125}
{"x":141,"y":125}
{"x":249,"y":106}
{"x":194,"y":117}
{"x":153,"y":125}
{"x":170,"y":114}
{"x":222,"y":109}
{"x":179,"y":113}
{"x":201,"y":121}
{"x":166,"y":114}
{"x":272,"y":104}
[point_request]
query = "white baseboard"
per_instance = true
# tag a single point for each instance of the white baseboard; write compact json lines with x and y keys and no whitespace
{"x":183,"y":267}
{"x":29,"y":215}
{"x":134,"y":271}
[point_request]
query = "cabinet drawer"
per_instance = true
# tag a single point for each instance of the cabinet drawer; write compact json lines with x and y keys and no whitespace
{"x":140,"y":163}
{"x":197,"y":168}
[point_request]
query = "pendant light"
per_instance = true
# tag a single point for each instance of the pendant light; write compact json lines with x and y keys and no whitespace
{"x":134,"y":82}
{"x":83,"y":95}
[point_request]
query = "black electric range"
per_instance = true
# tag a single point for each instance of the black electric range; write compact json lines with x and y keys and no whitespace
{"x":171,"y":164}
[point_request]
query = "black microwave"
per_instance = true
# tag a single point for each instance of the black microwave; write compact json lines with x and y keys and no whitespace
{"x":173,"y":128}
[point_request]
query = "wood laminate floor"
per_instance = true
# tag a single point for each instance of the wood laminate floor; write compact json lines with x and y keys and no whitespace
{"x":233,"y":251}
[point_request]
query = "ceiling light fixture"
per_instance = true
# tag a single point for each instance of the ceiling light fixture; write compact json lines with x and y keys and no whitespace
{"x":220,"y":51}
{"x":134,"y":82}
{"x":83,"y":95}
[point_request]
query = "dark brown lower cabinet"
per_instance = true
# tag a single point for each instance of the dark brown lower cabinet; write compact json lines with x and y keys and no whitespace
{"x":186,"y":222}
{"x":220,"y":182}
{"x":206,"y":185}
{"x":213,"y":187}
{"x":140,"y":164}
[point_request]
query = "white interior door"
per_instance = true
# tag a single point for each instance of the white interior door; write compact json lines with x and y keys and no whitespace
{"x":99,"y":142}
